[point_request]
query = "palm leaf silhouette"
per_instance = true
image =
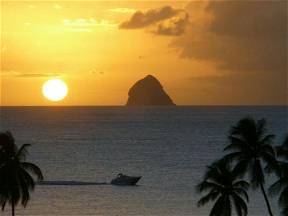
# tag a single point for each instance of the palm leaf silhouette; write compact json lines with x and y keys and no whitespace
{"x":16,"y":181}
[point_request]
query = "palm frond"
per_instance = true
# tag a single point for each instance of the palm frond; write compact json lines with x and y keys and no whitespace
{"x":3,"y":204}
{"x":24,"y":187}
{"x":228,"y":210}
{"x":272,"y":165}
{"x":237,"y":143}
{"x":217,"y":209}
{"x":240,"y":205}
{"x":242,"y":193}
{"x":282,"y":150}
{"x":211,"y":196}
{"x":16,"y":181}
{"x":284,"y":211}
{"x":241,"y":168}
{"x":33,"y":169}
{"x":285,"y":143}
{"x":7,"y":143}
{"x":267,"y":140}
{"x":233,"y":156}
{"x":30,"y":183}
{"x":257,"y":174}
{"x":276,"y":187}
{"x":261,"y":128}
{"x":222,"y":182}
{"x":22,"y":152}
{"x":283,"y":198}
{"x":206,"y":185}
{"x":241,"y":184}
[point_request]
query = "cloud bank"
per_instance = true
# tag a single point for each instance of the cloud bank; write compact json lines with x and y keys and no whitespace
{"x":161,"y":21}
{"x":28,"y":75}
{"x":242,"y":35}
{"x":174,"y":26}
{"x":247,"y":41}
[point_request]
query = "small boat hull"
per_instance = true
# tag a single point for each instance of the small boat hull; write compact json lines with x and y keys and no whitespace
{"x":125,"y":180}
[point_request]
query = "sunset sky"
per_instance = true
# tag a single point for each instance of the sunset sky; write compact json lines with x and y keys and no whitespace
{"x":203,"y":52}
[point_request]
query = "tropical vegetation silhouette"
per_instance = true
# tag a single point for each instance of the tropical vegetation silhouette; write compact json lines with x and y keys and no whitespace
{"x":281,"y":185}
{"x":251,"y":148}
{"x":225,"y":189}
{"x":252,"y":156}
{"x":16,"y":181}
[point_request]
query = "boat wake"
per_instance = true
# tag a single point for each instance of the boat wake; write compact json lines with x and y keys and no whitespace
{"x":69,"y":183}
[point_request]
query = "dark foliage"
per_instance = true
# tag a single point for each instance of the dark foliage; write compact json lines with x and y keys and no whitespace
{"x":225,"y":189}
{"x":252,"y":152}
{"x":16,"y":181}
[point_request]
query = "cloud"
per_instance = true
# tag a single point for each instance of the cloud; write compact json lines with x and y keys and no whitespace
{"x":28,"y":75}
{"x":161,"y":21}
{"x":143,"y":19}
{"x":122,"y":10}
{"x":241,"y":36}
{"x":36,"y":75}
{"x":173,"y":26}
{"x":245,"y":39}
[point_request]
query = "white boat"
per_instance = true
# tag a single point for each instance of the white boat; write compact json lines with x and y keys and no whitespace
{"x":125,"y":180}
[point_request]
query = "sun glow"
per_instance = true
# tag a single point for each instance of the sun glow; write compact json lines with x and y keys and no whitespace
{"x":55,"y":90}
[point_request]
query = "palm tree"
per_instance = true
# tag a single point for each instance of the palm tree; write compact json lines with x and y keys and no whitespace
{"x":281,"y":185}
{"x":16,"y":181}
{"x":251,"y":150}
{"x":282,"y":151}
{"x":225,"y":188}
{"x":7,"y":145}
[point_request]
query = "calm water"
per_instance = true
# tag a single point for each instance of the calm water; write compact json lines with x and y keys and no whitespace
{"x":169,"y":147}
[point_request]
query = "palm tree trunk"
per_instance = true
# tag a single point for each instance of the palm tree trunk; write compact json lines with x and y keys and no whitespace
{"x":266,"y":199}
{"x":13,"y":208}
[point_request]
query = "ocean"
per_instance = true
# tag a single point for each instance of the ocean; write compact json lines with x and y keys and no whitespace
{"x":169,"y":147}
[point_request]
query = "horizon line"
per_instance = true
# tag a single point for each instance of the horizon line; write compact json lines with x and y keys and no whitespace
{"x":184,"y":105}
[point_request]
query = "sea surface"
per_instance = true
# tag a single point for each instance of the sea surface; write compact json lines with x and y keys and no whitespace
{"x":169,"y":147}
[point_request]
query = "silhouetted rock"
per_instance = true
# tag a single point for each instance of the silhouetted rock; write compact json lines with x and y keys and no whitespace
{"x":148,"y":92}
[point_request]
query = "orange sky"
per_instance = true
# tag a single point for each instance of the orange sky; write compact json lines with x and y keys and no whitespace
{"x":204,"y":52}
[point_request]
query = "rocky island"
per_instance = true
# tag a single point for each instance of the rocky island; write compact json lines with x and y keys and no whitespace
{"x":148,"y":92}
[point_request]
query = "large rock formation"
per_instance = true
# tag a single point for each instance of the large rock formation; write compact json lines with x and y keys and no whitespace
{"x":148,"y":92}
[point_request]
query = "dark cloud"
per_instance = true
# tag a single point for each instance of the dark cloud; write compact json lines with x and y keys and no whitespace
{"x":248,"y":35}
{"x":246,"y":39}
{"x":174,"y":26}
{"x":142,"y":19}
{"x":249,"y":19}
{"x":162,"y":21}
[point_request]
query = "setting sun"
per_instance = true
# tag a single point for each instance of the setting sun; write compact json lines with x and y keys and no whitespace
{"x":107,"y":91}
{"x":55,"y":89}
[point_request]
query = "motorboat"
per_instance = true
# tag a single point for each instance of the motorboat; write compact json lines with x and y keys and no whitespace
{"x":125,"y":180}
